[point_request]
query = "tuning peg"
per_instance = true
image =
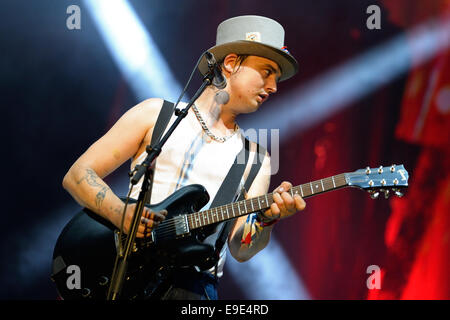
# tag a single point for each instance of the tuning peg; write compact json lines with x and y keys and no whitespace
{"x":374,"y":194}
{"x":398,"y":193}
{"x":386,"y":193}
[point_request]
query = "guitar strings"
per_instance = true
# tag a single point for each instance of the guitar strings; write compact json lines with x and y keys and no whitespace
{"x":169,"y":226}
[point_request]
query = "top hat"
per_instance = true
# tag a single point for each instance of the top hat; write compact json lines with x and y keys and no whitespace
{"x":252,"y":35}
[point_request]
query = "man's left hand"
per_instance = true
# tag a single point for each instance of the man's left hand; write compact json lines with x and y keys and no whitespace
{"x":284,"y":205}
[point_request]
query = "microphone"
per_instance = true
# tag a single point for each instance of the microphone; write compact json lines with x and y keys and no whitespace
{"x":219,"y":80}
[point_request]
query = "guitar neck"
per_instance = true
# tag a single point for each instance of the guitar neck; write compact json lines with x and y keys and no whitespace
{"x":243,"y":207}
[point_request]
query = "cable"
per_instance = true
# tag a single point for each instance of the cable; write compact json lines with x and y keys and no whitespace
{"x":190,"y":79}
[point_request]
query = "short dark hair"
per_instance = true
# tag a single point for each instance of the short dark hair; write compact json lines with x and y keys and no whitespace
{"x":240,"y":59}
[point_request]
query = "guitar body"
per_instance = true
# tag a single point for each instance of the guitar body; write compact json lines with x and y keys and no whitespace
{"x":87,"y":248}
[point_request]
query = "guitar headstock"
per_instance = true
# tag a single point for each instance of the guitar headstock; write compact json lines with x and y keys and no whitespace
{"x":380,"y":180}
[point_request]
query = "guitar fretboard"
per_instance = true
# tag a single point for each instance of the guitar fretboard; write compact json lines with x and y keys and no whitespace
{"x":243,"y":207}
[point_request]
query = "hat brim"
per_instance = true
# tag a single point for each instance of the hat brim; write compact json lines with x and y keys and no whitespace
{"x":287,"y":63}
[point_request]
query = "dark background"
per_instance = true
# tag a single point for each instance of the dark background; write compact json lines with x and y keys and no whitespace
{"x":61,"y":90}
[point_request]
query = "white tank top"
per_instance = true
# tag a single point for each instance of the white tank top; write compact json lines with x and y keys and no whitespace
{"x":190,"y":157}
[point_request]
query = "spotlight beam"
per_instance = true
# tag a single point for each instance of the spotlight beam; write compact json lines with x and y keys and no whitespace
{"x":133,"y":49}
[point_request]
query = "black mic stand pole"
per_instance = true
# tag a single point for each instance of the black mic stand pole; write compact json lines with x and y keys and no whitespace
{"x":146,"y":169}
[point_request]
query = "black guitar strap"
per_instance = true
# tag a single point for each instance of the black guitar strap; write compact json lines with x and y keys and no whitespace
{"x":161,"y":123}
{"x":163,"y":120}
{"x":231,"y":187}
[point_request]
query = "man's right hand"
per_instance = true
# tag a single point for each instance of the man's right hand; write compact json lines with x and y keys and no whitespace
{"x":149,"y":220}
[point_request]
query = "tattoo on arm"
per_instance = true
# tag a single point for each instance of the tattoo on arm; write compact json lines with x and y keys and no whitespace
{"x":91,"y":178}
{"x":100,"y":196}
{"x":117,"y":210}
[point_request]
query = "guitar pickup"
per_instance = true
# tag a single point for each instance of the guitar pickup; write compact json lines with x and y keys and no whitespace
{"x":181,"y":225}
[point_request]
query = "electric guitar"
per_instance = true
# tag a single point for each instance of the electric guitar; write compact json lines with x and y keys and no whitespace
{"x":88,"y":244}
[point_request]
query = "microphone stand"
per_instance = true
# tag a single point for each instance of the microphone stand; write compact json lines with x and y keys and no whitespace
{"x":146,"y":169}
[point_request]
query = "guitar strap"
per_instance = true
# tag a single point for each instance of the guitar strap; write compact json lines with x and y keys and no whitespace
{"x":231,"y":186}
{"x":163,"y":120}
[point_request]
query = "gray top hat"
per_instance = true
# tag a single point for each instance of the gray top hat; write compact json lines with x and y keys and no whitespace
{"x":253,"y":35}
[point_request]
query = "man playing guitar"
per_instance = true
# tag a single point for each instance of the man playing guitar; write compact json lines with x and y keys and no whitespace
{"x":253,"y":60}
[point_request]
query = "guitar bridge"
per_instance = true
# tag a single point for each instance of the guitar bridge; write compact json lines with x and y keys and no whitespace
{"x":119,"y":243}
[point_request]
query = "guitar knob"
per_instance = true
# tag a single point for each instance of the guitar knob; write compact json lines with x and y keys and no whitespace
{"x":399,"y":193}
{"x":103,"y":281}
{"x":85,"y":292}
{"x":386,"y":194}
{"x":374,"y":194}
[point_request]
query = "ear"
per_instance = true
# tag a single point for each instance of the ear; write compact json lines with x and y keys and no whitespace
{"x":229,"y":63}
